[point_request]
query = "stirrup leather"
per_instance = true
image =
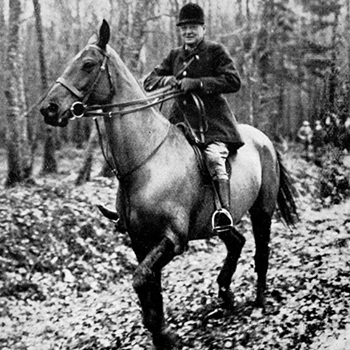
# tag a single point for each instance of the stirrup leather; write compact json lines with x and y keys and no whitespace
{"x":221,"y":220}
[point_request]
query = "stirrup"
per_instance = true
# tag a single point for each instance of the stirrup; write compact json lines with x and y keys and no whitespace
{"x":221,"y":220}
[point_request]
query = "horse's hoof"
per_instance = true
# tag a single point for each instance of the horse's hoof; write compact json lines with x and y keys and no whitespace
{"x":260,"y":302}
{"x":227,"y":297}
{"x":166,"y":340}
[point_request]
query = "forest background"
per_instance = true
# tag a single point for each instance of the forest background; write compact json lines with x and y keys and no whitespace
{"x":293,"y":57}
{"x":65,"y":271}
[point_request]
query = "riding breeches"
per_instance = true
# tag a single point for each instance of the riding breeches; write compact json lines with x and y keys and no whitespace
{"x":216,"y":154}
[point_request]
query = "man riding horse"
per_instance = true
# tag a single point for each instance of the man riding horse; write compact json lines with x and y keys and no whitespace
{"x":205,"y":69}
{"x":164,"y":210}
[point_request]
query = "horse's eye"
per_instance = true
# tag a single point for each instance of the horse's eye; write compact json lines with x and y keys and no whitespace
{"x":88,"y":65}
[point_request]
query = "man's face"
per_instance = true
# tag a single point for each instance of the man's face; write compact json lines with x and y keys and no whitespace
{"x":192,"y":34}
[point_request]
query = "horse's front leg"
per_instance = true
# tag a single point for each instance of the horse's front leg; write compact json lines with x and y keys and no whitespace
{"x":147,"y":284}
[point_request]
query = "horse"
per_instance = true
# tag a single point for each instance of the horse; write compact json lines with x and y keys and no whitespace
{"x":163,"y":199}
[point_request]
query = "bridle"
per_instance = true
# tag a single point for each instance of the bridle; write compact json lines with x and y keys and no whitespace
{"x":80,"y":109}
{"x":77,"y":109}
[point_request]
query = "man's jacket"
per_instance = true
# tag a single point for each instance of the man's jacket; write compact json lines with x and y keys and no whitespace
{"x":216,"y":70}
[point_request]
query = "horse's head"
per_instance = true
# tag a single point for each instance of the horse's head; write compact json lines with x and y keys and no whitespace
{"x":84,"y":81}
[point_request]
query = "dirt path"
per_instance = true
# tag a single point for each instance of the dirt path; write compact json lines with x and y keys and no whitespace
{"x":307,"y":301}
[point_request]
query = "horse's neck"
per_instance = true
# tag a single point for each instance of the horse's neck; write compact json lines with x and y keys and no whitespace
{"x":132,"y":137}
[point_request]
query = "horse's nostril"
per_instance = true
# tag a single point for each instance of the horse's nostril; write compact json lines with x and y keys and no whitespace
{"x":52,"y":108}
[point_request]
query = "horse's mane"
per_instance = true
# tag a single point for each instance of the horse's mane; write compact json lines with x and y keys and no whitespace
{"x":122,"y":73}
{"x":121,"y":69}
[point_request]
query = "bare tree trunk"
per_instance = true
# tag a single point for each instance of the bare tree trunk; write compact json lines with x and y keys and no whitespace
{"x":18,"y":150}
{"x":85,"y":171}
{"x":280,"y":118}
{"x":39,"y":32}
{"x":3,"y":52}
{"x":333,"y":75}
{"x":49,"y":161}
{"x":250,"y":70}
{"x":140,"y":18}
{"x":123,"y":28}
{"x":2,"y":45}
{"x":348,"y":41}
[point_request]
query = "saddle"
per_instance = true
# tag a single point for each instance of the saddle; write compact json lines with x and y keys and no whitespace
{"x":221,"y":218}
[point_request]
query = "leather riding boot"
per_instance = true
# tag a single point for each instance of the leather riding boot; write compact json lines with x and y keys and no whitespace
{"x":222,"y":219}
{"x":223,"y":188}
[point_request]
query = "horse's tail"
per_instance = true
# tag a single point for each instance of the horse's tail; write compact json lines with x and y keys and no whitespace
{"x":285,"y":198}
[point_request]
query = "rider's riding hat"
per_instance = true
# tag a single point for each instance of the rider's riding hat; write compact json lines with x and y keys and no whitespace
{"x":191,"y":14}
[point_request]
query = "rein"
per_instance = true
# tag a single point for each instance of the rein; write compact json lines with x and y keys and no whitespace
{"x":141,"y":104}
{"x":135,"y":167}
{"x":80,"y":109}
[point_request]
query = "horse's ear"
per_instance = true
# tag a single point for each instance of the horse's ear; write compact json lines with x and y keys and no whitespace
{"x":105,"y":34}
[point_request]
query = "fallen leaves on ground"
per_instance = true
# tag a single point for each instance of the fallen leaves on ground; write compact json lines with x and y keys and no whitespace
{"x":66,"y":277}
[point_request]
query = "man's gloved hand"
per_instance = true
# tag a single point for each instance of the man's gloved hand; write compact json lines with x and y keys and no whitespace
{"x":190,"y":84}
{"x":170,"y":80}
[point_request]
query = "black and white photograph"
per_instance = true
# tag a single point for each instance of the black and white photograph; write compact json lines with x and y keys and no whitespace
{"x":175,"y":175}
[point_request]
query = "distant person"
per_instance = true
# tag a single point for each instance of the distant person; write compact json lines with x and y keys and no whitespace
{"x":205,"y":68}
{"x":332,"y":124}
{"x":305,"y":136}
{"x":318,"y":141}
{"x":318,"y":136}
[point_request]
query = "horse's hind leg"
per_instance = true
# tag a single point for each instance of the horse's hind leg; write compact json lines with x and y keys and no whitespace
{"x":261,"y":222}
{"x":234,"y":242}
